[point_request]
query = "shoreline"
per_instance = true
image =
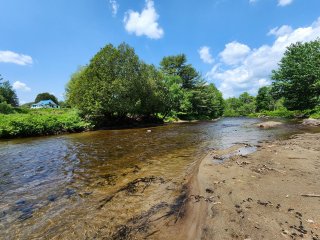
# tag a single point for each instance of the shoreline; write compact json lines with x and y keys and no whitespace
{"x":256,"y":196}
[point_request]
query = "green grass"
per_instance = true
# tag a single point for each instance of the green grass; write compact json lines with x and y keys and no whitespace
{"x":40,"y":122}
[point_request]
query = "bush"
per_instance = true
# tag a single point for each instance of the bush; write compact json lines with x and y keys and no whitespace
{"x":6,"y":108}
{"x":41,"y":122}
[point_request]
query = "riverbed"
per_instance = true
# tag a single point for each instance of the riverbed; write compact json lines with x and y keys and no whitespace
{"x":96,"y":184}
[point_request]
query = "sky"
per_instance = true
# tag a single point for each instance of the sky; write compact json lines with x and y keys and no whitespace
{"x":234,"y":44}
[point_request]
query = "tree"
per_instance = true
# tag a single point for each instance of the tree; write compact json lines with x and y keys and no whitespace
{"x":116,"y":85}
{"x":248,"y":104}
{"x":176,"y":99}
{"x":46,"y":96}
{"x":177,"y":66}
{"x":242,"y":106}
{"x":264,"y":99}
{"x":7,"y":94}
{"x":298,"y":76}
{"x":207,"y":102}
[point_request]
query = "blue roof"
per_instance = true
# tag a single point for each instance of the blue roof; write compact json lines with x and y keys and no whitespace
{"x":46,"y":102}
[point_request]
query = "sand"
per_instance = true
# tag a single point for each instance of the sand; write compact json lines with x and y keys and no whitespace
{"x":257,"y":196}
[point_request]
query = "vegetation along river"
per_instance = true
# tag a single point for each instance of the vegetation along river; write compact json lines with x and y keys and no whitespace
{"x":94,"y":184}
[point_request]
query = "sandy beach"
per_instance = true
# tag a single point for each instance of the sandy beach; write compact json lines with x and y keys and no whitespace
{"x":273,"y":193}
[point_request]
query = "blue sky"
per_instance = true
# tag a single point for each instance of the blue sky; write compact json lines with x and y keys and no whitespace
{"x":233,"y":43}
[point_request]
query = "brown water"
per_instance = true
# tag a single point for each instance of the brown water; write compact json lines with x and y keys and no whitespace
{"x":58,"y":187}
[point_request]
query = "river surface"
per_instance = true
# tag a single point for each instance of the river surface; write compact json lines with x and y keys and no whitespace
{"x":56,"y":187}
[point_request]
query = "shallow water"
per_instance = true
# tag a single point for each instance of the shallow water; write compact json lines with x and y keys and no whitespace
{"x":52,"y":186}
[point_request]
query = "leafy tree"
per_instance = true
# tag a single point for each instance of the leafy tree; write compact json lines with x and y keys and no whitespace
{"x":207,"y":102}
{"x":248,"y":104}
{"x":46,"y":96}
{"x":176,"y":99}
{"x":116,"y":85}
{"x":7,"y":94}
{"x":177,"y":66}
{"x":264,"y":99}
{"x":298,"y":76}
{"x":242,"y":106}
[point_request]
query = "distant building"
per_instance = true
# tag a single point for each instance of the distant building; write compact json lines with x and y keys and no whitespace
{"x":45,"y":104}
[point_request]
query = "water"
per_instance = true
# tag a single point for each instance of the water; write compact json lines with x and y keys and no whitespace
{"x":55,"y":187}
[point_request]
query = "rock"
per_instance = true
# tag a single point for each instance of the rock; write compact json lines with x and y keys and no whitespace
{"x":149,"y":131}
{"x":311,"y":122}
{"x":52,"y":198}
{"x":269,"y":124}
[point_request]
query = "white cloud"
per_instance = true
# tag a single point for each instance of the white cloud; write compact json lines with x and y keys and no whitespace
{"x":21,"y":86}
{"x":205,"y":55}
{"x":12,"y":57}
{"x":144,"y":23}
{"x":280,"y":31}
{"x":253,"y":71}
{"x":283,"y":3}
{"x":234,"y":53}
{"x":114,"y":7}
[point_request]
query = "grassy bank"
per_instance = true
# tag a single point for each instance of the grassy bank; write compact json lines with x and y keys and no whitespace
{"x":40,"y":122}
{"x":279,"y":113}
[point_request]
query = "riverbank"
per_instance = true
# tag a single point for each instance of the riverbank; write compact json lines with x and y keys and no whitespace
{"x":264,"y":195}
{"x":41,"y":122}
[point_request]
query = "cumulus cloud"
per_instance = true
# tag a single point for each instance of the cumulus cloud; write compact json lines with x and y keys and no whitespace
{"x":205,"y":55}
{"x":253,"y":69}
{"x":144,"y":23}
{"x":283,"y":3}
{"x":280,"y":31}
{"x":234,"y":53}
{"x":114,"y":7}
{"x":17,"y":85}
{"x":16,"y":58}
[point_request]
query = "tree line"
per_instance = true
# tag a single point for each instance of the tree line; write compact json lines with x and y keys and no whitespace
{"x":117,"y":86}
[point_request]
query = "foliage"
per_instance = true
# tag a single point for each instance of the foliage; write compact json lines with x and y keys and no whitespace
{"x":177,"y":66}
{"x":265,"y":100}
{"x":207,"y":102}
{"x":316,"y":113}
{"x":7,"y":94}
{"x":176,"y":98}
{"x":278,"y":113}
{"x":40,"y":122}
{"x":46,"y":96}
{"x":117,"y":85}
{"x":242,"y":106}
{"x":194,"y":99}
{"x":6,"y":108}
{"x":298,"y":76}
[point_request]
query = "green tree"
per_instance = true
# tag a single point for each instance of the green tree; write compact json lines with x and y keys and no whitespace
{"x":7,"y":94}
{"x":248,"y":104}
{"x":177,"y":66}
{"x":46,"y":96}
{"x":242,"y":106}
{"x":298,"y":76}
{"x":264,"y":99}
{"x":207,"y":102}
{"x":176,"y":100}
{"x":116,"y":85}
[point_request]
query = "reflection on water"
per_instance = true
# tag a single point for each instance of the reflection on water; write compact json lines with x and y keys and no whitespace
{"x":51,"y":186}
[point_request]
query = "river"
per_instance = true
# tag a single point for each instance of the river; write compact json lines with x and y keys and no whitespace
{"x":60,"y":186}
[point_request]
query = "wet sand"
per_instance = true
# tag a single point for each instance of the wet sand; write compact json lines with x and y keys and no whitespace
{"x":255,"y":196}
